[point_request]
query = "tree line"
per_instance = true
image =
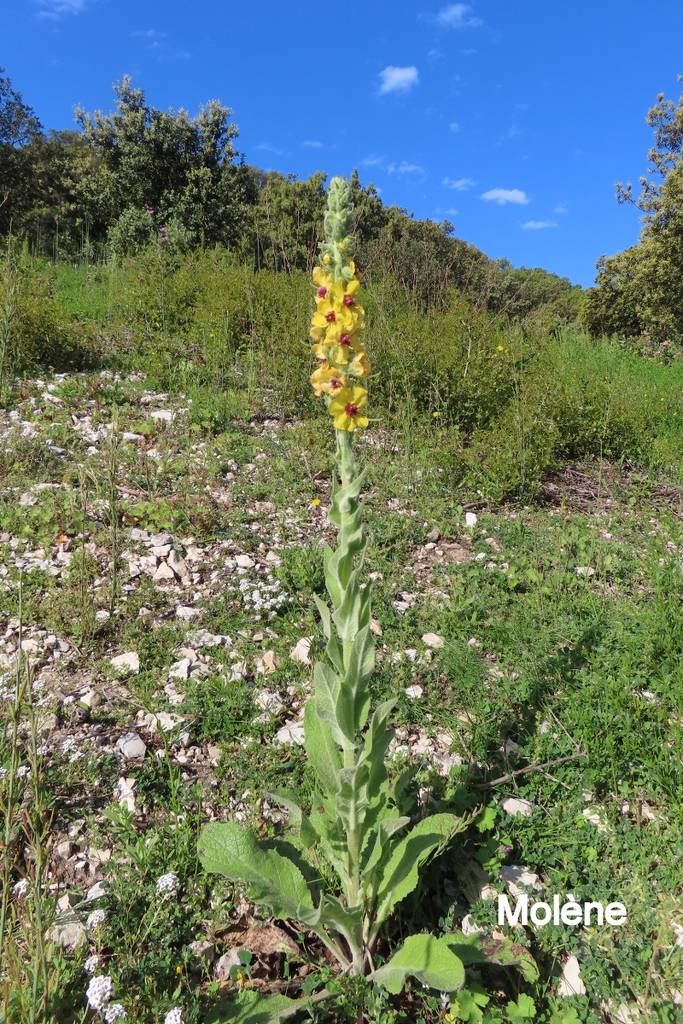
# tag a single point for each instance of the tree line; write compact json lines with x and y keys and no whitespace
{"x":140,"y":176}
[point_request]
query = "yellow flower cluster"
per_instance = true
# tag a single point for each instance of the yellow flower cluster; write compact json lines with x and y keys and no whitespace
{"x":336,"y":329}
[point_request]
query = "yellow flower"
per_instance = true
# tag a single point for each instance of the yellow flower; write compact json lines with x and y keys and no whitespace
{"x":346,"y":408}
{"x":327,"y":380}
{"x":436,"y":415}
{"x":360,"y":365}
{"x":315,"y":502}
{"x":501,"y":348}
{"x":327,"y":259}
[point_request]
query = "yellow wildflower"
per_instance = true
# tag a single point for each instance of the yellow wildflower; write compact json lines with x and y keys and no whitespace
{"x":360,"y":365}
{"x":315,"y":502}
{"x":327,"y":380}
{"x":346,"y":408}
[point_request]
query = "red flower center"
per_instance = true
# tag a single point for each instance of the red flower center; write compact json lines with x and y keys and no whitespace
{"x":349,"y":300}
{"x":331,"y":316}
{"x":351,"y":409}
{"x":335,"y":383}
{"x":322,"y":292}
{"x":345,"y":340}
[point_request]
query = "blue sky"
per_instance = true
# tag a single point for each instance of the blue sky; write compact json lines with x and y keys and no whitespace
{"x":512,"y":120}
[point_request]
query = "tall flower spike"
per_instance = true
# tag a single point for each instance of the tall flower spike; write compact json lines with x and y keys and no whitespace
{"x":338,"y":321}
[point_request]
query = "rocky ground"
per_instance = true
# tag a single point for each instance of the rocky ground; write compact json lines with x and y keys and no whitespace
{"x":156,"y":576}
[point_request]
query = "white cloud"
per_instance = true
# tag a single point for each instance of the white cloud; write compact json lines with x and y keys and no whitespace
{"x":266,"y":147}
{"x":538,"y":225}
{"x":454,"y":126}
{"x":372,"y":160}
{"x":54,"y":9}
{"x":405,"y":168}
{"x":393,"y":79}
{"x":459,"y":184}
{"x":312,"y":144}
{"x":457,"y":16}
{"x":501,"y":196}
{"x":561,"y":208}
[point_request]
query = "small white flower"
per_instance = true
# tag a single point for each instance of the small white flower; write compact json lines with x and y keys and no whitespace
{"x":91,"y":964}
{"x":96,"y":918}
{"x":99,"y":991}
{"x":20,"y":889}
{"x":114,"y":1012}
{"x":22,"y":771}
{"x":174,"y":1016}
{"x":167,"y":885}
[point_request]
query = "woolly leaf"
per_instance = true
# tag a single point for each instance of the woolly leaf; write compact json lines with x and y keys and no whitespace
{"x":227,"y":848}
{"x":425,"y":958}
{"x":400,"y":873}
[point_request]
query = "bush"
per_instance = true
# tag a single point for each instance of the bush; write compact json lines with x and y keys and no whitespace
{"x":34,"y":331}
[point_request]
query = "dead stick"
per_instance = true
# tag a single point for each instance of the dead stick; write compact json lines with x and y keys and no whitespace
{"x":529,"y":768}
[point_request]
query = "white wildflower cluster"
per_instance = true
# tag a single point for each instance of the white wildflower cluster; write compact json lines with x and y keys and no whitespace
{"x":98,"y":995}
{"x":91,"y":964}
{"x":167,"y":885}
{"x":95,"y":919}
{"x":23,"y":771}
{"x":264,"y":598}
{"x":99,"y":992}
{"x":174,"y":1016}
{"x":114,"y":1012}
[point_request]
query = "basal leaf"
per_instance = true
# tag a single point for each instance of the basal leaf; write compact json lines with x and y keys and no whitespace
{"x":227,"y":848}
{"x":426,"y":958}
{"x":401,"y":872}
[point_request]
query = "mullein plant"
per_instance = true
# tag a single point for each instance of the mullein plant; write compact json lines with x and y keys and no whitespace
{"x":348,"y":862}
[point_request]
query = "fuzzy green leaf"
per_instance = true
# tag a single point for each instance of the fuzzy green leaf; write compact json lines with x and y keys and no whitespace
{"x":227,"y":848}
{"x":321,"y":748}
{"x":423,"y":957}
{"x":252,"y":1008}
{"x":400,"y":875}
{"x":478,"y":949}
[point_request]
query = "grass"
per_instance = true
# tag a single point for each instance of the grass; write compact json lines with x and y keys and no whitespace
{"x":559,"y":612}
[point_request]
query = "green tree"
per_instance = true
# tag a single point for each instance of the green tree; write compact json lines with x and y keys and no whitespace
{"x":19,"y":126}
{"x":181,"y":167}
{"x":641,"y":290}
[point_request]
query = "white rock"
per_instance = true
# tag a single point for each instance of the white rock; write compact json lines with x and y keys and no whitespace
{"x":164,"y":572}
{"x":433,"y":640}
{"x":470,"y":520}
{"x":127,"y":663}
{"x":413,"y":692}
{"x":469,"y":927}
{"x":570,"y":979}
{"x":595,"y":817}
{"x":163,"y":415}
{"x":225,"y":963}
{"x":519,"y":879}
{"x":132,"y":746}
{"x":180,"y":669}
{"x":245,"y":561}
{"x":585,"y":570}
{"x":512,"y":805}
{"x":68,"y":934}
{"x":186,"y":613}
{"x":291,"y":732}
{"x":301,"y":652}
{"x":178,"y":565}
{"x":268,"y":701}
